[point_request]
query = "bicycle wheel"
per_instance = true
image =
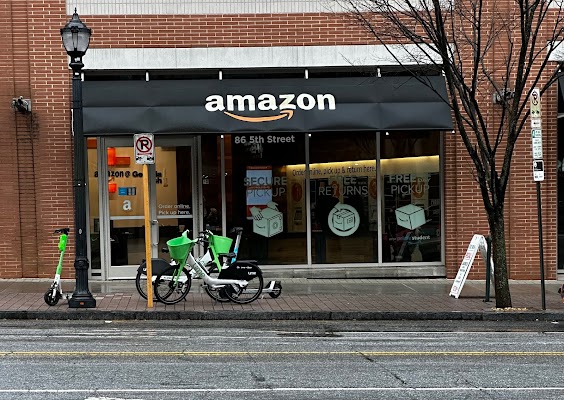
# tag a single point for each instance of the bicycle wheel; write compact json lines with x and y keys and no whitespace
{"x":141,"y":282}
{"x":141,"y":277}
{"x":169,"y":290}
{"x":249,"y":293}
{"x":218,"y":294}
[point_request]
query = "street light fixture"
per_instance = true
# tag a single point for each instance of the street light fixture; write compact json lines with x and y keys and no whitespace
{"x":76,"y":38}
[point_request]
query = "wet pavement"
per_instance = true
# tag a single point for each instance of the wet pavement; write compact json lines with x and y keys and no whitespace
{"x":301,"y":299}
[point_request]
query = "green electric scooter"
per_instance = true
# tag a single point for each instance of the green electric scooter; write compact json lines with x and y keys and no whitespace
{"x":55,"y":292}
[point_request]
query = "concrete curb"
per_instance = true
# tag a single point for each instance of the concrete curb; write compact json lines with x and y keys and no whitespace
{"x":281,"y":315}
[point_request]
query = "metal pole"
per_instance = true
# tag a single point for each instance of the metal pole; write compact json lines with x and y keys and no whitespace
{"x":543,"y":295}
{"x":81,"y":297}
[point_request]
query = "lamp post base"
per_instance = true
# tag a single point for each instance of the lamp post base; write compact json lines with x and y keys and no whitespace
{"x":81,"y":298}
{"x":82,"y":301}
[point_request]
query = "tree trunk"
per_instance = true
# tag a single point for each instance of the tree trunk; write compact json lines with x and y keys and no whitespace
{"x":496,"y":222}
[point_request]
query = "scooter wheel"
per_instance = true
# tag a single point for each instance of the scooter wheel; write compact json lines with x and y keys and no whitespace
{"x":50,"y":299}
{"x":276,"y":291}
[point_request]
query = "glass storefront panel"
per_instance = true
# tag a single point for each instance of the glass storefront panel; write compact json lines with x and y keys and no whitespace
{"x":171,"y":205}
{"x":174,"y":206}
{"x":94,"y":207}
{"x":211,"y":182}
{"x":265,"y":195}
{"x":411,"y":201}
{"x":343,"y":197}
{"x":127,"y":221}
{"x":560,"y":191}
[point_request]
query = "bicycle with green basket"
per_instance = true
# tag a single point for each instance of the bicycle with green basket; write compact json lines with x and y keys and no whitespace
{"x":239,"y":281}
{"x":160,"y":265}
{"x":55,"y":292}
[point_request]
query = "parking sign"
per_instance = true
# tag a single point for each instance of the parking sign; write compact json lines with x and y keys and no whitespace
{"x":144,"y":148}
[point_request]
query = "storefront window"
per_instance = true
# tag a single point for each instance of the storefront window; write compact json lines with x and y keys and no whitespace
{"x":411,"y":201}
{"x":93,"y":202}
{"x":560,"y":191}
{"x":343,"y":197}
{"x":174,"y":206}
{"x":211,"y":182}
{"x":265,"y":195}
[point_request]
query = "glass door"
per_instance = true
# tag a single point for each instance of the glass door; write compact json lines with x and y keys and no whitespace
{"x":171,"y":201}
{"x":175,"y":197}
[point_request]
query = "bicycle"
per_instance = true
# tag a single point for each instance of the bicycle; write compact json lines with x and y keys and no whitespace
{"x":241,"y":281}
{"x":222,"y":246}
{"x":160,"y":265}
{"x":55,"y":292}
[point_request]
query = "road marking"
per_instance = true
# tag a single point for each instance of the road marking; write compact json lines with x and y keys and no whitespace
{"x":281,"y":353}
{"x":289,"y":389}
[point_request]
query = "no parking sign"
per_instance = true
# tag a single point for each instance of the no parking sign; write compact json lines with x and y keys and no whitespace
{"x":144,"y":148}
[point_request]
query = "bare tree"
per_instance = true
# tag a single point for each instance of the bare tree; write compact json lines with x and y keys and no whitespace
{"x":486,"y":49}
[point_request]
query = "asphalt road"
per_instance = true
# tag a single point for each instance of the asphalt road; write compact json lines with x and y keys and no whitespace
{"x":103,"y":360}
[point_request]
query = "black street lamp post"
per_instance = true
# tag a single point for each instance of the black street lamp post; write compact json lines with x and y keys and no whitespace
{"x":76,"y":37}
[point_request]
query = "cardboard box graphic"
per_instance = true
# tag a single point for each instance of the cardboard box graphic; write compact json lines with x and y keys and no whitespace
{"x":410,"y":216}
{"x":268,"y":221}
{"x":343,"y":220}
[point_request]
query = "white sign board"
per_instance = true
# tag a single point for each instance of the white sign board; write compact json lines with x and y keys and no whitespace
{"x":478,"y":242}
{"x":538,"y":170}
{"x":535,"y":103}
{"x":536,"y":136}
{"x":144,"y":146}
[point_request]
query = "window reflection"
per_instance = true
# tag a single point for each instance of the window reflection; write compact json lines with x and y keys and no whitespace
{"x":94,"y":209}
{"x":265,"y":195}
{"x":411,"y":199}
{"x":343,"y":197}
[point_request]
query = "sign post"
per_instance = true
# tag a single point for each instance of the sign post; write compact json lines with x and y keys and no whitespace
{"x":145,"y":154}
{"x":538,"y":172}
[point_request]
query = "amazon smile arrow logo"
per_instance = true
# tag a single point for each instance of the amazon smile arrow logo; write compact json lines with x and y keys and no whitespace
{"x":283,"y":114}
{"x":286,"y":103}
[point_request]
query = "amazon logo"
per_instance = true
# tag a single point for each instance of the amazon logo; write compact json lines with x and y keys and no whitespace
{"x":281,"y":107}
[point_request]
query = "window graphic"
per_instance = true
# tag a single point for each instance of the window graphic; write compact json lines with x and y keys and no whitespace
{"x":343,"y":220}
{"x":258,"y":182}
{"x":268,"y":221}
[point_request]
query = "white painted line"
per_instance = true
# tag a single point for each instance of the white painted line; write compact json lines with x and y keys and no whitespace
{"x":290,"y":389}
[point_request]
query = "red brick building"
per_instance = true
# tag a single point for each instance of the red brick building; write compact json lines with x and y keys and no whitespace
{"x":278,"y":116}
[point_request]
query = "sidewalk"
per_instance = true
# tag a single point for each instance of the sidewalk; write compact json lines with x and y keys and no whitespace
{"x":301,"y":299}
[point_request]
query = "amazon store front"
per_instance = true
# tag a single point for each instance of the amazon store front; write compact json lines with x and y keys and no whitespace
{"x":328,"y":177}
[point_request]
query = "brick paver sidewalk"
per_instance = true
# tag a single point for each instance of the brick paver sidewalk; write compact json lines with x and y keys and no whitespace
{"x":300,"y":299}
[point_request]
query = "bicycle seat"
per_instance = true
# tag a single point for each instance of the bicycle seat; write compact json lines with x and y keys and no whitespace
{"x":236,"y":230}
{"x":62,"y":230}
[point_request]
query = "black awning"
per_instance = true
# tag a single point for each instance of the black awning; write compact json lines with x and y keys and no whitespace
{"x":265,"y":105}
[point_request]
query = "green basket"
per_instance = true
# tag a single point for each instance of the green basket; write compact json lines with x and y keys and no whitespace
{"x":180,"y":247}
{"x":220,"y":245}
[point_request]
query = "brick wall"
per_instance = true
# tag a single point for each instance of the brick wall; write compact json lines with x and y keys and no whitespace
{"x":36,"y":151}
{"x":16,"y":142}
